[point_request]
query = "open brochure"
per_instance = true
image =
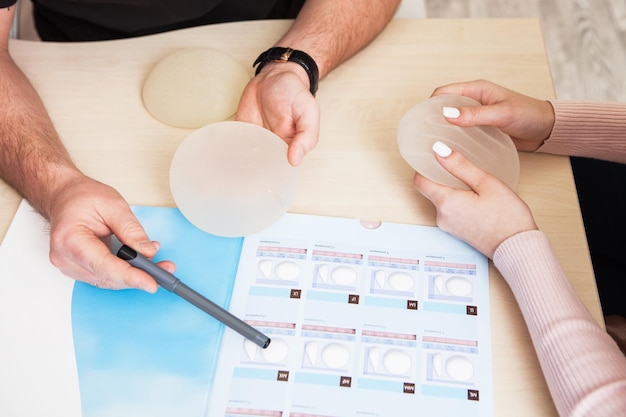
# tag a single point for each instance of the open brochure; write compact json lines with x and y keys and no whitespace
{"x":365,"y":320}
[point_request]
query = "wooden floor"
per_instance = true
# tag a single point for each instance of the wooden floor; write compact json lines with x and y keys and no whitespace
{"x":585,"y":39}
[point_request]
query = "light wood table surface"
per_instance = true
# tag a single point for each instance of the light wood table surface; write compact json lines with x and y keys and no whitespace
{"x":93,"y":94}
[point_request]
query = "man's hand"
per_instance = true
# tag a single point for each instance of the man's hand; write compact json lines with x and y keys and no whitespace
{"x":83,"y":215}
{"x":279,"y":100}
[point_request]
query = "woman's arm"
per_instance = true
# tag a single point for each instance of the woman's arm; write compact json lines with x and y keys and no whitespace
{"x":572,"y":128}
{"x":583,"y":366}
{"x":589,"y":129}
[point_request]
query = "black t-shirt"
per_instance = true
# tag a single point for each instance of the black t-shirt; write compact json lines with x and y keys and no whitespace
{"x":86,"y":20}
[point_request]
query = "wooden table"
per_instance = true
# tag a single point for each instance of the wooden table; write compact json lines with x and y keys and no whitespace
{"x":93,"y":94}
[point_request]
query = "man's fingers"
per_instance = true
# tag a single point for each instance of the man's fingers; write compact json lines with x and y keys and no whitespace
{"x":110,"y":271}
{"x":130,"y":232}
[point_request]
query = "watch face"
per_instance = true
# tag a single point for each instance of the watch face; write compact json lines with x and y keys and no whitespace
{"x":280,"y":54}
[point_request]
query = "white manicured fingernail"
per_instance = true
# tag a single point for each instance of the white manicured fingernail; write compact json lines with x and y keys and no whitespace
{"x":441,"y":149}
{"x":451,"y":112}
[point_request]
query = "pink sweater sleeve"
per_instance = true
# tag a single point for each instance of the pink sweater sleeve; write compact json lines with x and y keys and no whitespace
{"x":584,"y":368}
{"x":587,"y":128}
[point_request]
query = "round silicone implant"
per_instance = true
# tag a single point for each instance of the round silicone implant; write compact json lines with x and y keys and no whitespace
{"x":232,"y":178}
{"x":186,"y":89}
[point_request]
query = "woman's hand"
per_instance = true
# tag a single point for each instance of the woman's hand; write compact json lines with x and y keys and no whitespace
{"x":486,"y":215}
{"x":528,"y":121}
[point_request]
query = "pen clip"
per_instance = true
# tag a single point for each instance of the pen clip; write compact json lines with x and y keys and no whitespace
{"x":130,"y":255}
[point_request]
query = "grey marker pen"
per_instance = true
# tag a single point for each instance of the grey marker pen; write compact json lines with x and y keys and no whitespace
{"x":175,"y":285}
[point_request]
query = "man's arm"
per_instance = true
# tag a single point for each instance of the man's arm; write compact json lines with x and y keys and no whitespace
{"x":330,"y":31}
{"x":32,"y":154}
{"x":81,"y":210}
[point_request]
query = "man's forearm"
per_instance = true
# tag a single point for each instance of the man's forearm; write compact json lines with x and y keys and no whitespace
{"x":331,"y":31}
{"x":32,"y":158}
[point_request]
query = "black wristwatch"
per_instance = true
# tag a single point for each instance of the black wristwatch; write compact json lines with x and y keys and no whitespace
{"x":280,"y":54}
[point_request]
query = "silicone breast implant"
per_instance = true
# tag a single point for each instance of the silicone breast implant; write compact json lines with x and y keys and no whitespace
{"x":186,"y":89}
{"x":233,"y":179}
{"x":486,"y":146}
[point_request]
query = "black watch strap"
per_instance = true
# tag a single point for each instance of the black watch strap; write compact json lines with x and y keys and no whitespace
{"x":280,"y":54}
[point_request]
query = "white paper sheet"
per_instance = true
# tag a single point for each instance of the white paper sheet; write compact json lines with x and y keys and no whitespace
{"x":364,"y":321}
{"x":37,"y":368}
{"x":379,"y":322}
